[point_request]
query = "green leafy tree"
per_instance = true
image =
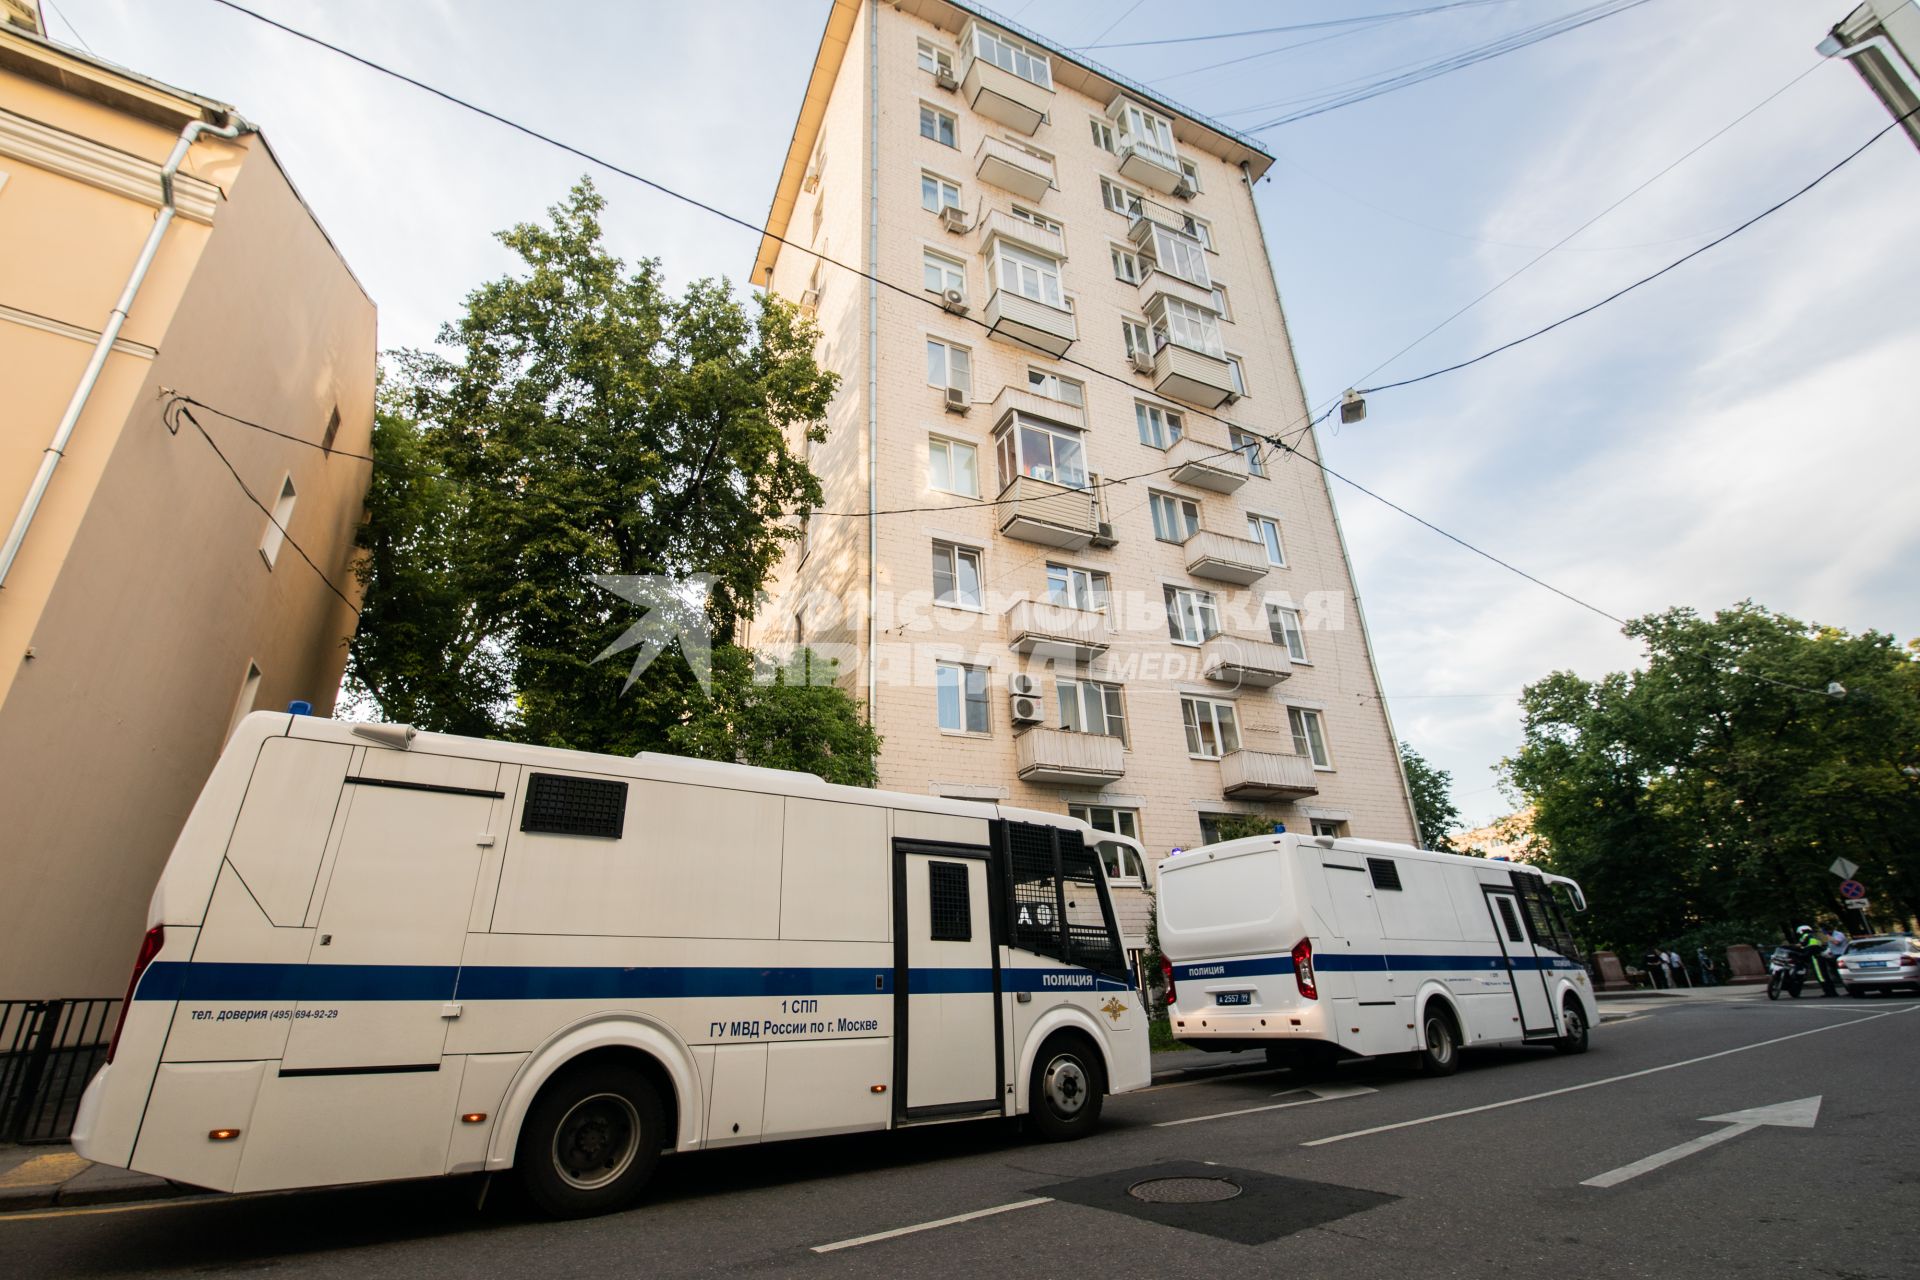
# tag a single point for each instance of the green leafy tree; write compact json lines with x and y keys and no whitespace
{"x":1712,"y":789}
{"x":1239,"y":826}
{"x":589,"y":422}
{"x":794,"y":721}
{"x":1433,"y":806}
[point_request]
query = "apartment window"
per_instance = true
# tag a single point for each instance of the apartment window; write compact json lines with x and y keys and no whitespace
{"x":1193,"y":616}
{"x":939,"y":273}
{"x":932,"y":59}
{"x":1191,"y":173}
{"x":936,"y":193}
{"x":1077,"y":588}
{"x":1220,"y":303}
{"x":1040,"y":220}
{"x":1030,"y":447}
{"x":1029,"y":64}
{"x":961,"y":692}
{"x":1120,"y":200}
{"x":276,"y":531}
{"x":333,"y":429}
{"x":1137,"y":340}
{"x":1212,"y":731}
{"x":1266,"y":532}
{"x":1147,"y":132}
{"x":956,"y":575}
{"x":1178,"y":321}
{"x":1028,"y":274}
{"x":953,"y":466}
{"x":1055,"y":387}
{"x":1253,"y":447}
{"x":1284,"y":624}
{"x":1309,"y":738}
{"x":1198,"y":229}
{"x":1174,"y":519}
{"x":1126,"y":264}
{"x":1123,"y":864}
{"x":1338,"y":830}
{"x":1088,"y":706}
{"x":1102,"y":133}
{"x":1181,"y":256}
{"x":1158,"y":426}
{"x":938,"y":125}
{"x":949,"y":366}
{"x":1237,"y":371}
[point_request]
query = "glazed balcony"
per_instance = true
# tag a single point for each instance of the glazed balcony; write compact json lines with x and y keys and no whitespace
{"x":1203,"y":465}
{"x":1013,"y":400}
{"x":1001,"y":225}
{"x":1031,"y":323}
{"x":1243,"y":662}
{"x":1013,"y":168}
{"x":1040,"y":628}
{"x":1050,"y":515}
{"x":1149,"y":164}
{"x":1266,"y":775}
{"x":1221,"y":557}
{"x":1192,"y":377}
{"x":999,"y":94}
{"x":1061,"y":758}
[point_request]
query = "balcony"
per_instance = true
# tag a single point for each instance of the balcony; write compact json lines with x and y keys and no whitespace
{"x":1030,"y":322}
{"x":1149,"y":165}
{"x":998,"y":94}
{"x":1070,"y":759}
{"x":1161,"y":283}
{"x":1013,"y":168}
{"x":1038,"y":628}
{"x":1203,"y":465}
{"x":1224,"y":558}
{"x":1242,"y":662}
{"x":1266,"y":775}
{"x":1192,"y":377}
{"x":1001,"y":225}
{"x":1013,"y":400}
{"x":1052,"y":515}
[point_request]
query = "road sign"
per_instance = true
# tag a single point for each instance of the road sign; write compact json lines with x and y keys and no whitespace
{"x":1844,"y":869}
{"x":1852,"y":889}
{"x":1789,"y":1115}
{"x":1858,"y":904}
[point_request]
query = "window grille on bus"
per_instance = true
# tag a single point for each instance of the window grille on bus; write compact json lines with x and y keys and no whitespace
{"x":1386,"y":873}
{"x":1036,"y":895}
{"x":1089,"y":941}
{"x":568,"y":806}
{"x":949,"y":905}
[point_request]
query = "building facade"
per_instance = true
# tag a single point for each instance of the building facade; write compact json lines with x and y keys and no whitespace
{"x":1881,"y":38}
{"x":151,"y":602}
{"x":1093,"y":582}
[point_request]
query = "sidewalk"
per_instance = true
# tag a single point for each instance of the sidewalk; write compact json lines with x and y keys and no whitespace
{"x":37,"y":1177}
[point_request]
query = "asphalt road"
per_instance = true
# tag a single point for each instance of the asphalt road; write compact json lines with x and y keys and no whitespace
{"x":1380,"y":1173}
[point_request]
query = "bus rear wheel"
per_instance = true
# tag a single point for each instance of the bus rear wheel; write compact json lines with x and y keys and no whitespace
{"x":590,"y":1141}
{"x":1066,"y":1091}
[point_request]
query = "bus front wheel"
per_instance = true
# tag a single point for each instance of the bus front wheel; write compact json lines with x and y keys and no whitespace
{"x":1066,"y":1091}
{"x":590,"y":1141}
{"x":1441,"y":1054}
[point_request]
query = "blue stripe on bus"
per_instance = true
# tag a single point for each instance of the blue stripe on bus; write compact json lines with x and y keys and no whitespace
{"x":205,"y":981}
{"x":1365,"y":962}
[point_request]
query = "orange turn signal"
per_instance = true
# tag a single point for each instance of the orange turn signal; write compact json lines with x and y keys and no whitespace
{"x":222,"y":1135}
{"x":473,"y":1117}
{"x":876,"y":1088}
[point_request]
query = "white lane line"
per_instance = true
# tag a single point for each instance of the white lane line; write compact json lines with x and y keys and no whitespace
{"x":1595,"y":1084}
{"x":1209,"y":1079}
{"x":929,"y":1226}
{"x":1667,"y":1157}
{"x":1328,"y":1093}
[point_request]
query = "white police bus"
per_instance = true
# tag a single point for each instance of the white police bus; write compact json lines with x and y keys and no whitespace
{"x":1318,"y":949}
{"x":376,"y":955}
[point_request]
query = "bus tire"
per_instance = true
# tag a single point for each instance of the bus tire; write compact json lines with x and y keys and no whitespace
{"x":591,"y":1140}
{"x":1067,"y":1089}
{"x":1573,"y":1025}
{"x":1439,"y":1054}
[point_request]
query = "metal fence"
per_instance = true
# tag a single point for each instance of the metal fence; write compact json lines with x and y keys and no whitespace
{"x":49,"y":1049}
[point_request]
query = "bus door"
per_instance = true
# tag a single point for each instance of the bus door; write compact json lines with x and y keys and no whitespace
{"x":1523,"y":963}
{"x":946,"y":983}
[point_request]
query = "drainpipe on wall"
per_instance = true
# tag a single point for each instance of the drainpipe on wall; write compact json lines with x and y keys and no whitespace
{"x":873,"y":354}
{"x":109,"y":334}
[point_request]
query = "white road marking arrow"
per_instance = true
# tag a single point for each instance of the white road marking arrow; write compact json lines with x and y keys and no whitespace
{"x":1789,"y":1115}
{"x":1320,"y":1092}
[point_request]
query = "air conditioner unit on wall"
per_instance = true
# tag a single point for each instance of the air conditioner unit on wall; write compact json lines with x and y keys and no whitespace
{"x":957,"y":401}
{"x":955,"y":301}
{"x":1142,"y":362}
{"x":944,"y":78}
{"x":1183,"y":190}
{"x":954,"y":219}
{"x":1021,"y":685}
{"x":1024,"y":709}
{"x":810,"y":298}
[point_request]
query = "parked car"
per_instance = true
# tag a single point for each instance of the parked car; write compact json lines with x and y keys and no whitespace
{"x":1883,"y":961}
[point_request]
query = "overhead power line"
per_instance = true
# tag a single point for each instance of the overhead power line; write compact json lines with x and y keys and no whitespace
{"x":1355,"y":20}
{"x":178,"y":399}
{"x":1308,"y":419}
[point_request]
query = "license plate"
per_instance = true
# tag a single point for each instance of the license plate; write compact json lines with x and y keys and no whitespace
{"x":1872,"y":964}
{"x":1233,"y":997}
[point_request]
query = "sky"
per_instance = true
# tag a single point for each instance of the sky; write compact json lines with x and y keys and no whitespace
{"x":1745,"y":427}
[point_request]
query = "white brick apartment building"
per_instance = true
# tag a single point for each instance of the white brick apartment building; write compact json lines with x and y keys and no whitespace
{"x":1075,"y":289}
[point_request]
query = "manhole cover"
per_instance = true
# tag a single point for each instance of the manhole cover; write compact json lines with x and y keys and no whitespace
{"x":1183,"y":1190}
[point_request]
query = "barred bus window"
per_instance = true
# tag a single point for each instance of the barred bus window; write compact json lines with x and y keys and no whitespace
{"x":1090,"y":939}
{"x":568,"y":806}
{"x":1034,"y":890}
{"x":949,"y":904}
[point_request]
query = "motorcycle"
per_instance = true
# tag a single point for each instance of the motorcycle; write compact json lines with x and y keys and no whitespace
{"x":1787,"y":972}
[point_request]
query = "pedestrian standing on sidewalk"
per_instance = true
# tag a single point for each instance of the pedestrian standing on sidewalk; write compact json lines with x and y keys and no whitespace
{"x":1656,"y":966}
{"x":1678,"y":968}
{"x":1708,"y":978}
